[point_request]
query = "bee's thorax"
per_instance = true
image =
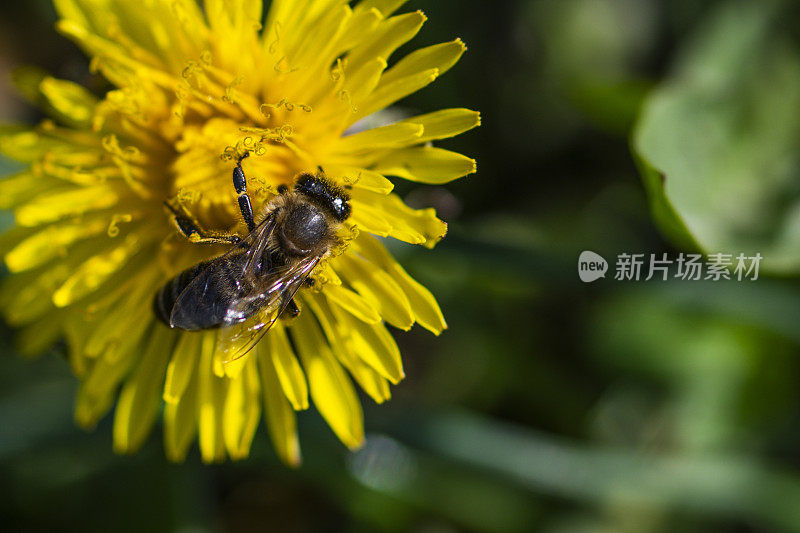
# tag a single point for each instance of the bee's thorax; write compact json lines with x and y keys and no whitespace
{"x":305,"y":228}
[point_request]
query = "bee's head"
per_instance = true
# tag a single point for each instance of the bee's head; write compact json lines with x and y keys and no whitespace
{"x":328,"y":195}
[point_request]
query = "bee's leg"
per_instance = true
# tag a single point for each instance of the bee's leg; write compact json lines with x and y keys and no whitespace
{"x":192,"y":230}
{"x":240,"y":184}
{"x":290,"y":309}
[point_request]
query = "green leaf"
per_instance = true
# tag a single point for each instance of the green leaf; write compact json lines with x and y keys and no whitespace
{"x":718,"y":142}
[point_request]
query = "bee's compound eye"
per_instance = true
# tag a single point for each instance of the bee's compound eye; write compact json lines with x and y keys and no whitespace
{"x":341,"y":208}
{"x":304,"y":228}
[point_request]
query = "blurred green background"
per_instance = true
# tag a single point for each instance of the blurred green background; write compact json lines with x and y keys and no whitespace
{"x":549,"y":405}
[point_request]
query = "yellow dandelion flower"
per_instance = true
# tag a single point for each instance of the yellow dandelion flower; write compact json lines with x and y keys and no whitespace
{"x":193,"y":89}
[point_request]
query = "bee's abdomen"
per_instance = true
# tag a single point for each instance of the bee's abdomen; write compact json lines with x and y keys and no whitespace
{"x":164,"y":301}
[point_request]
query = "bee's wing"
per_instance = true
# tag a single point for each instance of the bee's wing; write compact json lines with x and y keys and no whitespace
{"x":195,"y":297}
{"x":238,"y":339}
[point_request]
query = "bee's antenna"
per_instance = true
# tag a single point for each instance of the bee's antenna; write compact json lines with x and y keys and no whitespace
{"x":321,"y":171}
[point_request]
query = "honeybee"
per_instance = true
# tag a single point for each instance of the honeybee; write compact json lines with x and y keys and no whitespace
{"x":247,"y":289}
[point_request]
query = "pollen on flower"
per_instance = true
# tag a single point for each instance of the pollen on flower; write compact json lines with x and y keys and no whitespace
{"x":121,"y":190}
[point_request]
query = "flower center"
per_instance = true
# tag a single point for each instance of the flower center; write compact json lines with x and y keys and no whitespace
{"x":206,"y":156}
